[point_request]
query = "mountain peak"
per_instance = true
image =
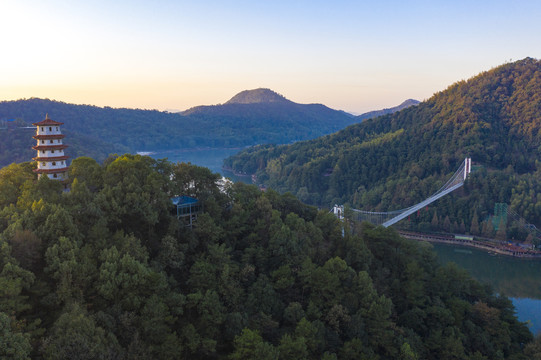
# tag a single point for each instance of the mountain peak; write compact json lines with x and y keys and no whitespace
{"x":260,"y":95}
{"x":408,"y":103}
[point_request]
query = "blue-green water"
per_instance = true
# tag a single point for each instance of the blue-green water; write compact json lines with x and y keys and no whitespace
{"x":211,"y":158}
{"x":518,"y":279}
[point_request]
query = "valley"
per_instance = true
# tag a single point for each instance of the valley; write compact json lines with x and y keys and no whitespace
{"x":263,"y":267}
{"x":270,"y":180}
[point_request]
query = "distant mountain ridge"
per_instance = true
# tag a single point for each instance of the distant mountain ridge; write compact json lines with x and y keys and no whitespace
{"x":283,"y":121}
{"x":372,"y":114}
{"x":252,"y":99}
{"x":250,"y":117}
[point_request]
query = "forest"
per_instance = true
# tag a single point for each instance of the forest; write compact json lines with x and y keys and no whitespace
{"x":107,"y":271}
{"x":97,"y":132}
{"x":394,"y":161}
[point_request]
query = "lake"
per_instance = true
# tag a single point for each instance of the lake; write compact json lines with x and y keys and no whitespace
{"x":518,"y":279}
{"x":211,"y":158}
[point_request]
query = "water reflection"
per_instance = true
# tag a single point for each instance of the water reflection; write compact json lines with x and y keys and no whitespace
{"x":509,"y":276}
{"x":518,"y":279}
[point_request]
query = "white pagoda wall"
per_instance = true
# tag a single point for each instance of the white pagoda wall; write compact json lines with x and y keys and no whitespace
{"x":48,"y":165}
{"x":48,"y":130}
{"x":49,"y":153}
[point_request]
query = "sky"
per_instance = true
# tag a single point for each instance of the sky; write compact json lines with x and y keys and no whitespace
{"x":355,"y":56}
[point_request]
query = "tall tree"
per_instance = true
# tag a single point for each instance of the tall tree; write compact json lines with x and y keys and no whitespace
{"x":474,"y":228}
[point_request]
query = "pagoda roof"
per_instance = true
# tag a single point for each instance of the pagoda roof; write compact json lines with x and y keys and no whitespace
{"x":51,"y":171}
{"x":47,"y":121}
{"x":50,"y":158}
{"x":49,"y":147}
{"x":47,"y":137}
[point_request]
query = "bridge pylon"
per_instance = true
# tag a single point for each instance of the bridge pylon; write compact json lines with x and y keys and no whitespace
{"x":338,"y":211}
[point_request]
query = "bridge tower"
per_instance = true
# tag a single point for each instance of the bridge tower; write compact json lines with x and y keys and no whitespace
{"x":338,"y":211}
{"x":50,"y":150}
{"x":467,"y":167}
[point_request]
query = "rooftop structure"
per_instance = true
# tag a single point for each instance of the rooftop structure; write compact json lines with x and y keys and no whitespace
{"x":187,"y":208}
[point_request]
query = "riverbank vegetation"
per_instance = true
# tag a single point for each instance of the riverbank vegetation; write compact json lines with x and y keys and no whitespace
{"x":107,"y":271}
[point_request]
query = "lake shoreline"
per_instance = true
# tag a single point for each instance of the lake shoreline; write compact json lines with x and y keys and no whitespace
{"x":236,"y":173}
{"x":486,"y":246}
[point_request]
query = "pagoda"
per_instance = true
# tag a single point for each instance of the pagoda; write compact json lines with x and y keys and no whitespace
{"x":50,"y":157}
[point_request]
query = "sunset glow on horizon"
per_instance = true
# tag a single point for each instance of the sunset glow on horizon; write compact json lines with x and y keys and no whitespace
{"x":348,"y":55}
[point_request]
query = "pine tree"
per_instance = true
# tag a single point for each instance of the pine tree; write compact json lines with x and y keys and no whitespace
{"x":435,"y":221}
{"x":474,"y":228}
{"x":462,"y":227}
{"x":447,"y":224}
{"x":488,"y":229}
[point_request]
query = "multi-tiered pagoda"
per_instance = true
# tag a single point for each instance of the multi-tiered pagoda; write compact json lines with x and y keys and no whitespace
{"x":50,"y":158}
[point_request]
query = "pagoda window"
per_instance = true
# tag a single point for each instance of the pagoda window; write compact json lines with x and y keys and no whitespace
{"x":54,"y":175}
{"x":50,"y":141}
{"x":43,"y":163}
{"x":42,"y":128}
{"x":43,"y":141}
{"x":54,"y":163}
{"x":50,"y":128}
{"x":52,"y":151}
{"x":57,"y":128}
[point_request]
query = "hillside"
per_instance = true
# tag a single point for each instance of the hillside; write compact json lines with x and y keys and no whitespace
{"x":271,"y":118}
{"x":107,"y":271}
{"x":396,"y":160}
{"x":372,"y":114}
{"x":251,"y":117}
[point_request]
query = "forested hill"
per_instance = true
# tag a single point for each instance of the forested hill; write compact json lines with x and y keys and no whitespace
{"x":394,"y":161}
{"x":257,"y":96}
{"x":249,"y":119}
{"x":107,"y":271}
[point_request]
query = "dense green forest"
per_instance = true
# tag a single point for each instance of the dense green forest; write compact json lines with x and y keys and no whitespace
{"x":106,"y":271}
{"x":397,"y":160}
{"x":96,"y":132}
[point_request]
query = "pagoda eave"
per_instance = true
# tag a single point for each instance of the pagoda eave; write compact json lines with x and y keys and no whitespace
{"x":49,"y":147}
{"x":50,"y":158}
{"x":47,"y":137}
{"x":51,"y":171}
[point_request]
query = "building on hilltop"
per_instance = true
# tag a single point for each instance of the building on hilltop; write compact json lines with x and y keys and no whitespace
{"x":187,"y":209}
{"x":50,"y":157}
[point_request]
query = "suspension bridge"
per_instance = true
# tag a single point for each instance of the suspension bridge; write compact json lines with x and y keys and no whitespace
{"x":392,"y":217}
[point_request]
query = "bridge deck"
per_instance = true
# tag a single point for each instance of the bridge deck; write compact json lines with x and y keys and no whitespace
{"x":389,"y":218}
